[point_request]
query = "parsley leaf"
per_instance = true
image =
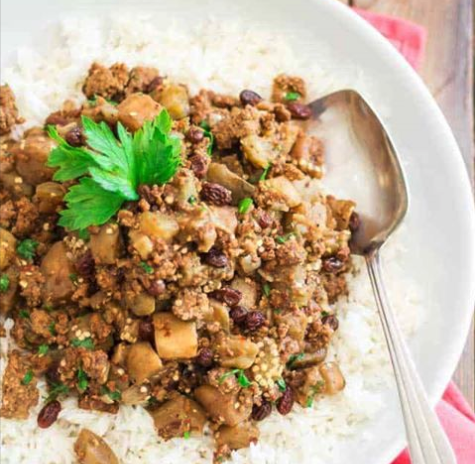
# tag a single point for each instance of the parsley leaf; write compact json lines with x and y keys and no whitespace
{"x":266,"y":289}
{"x":4,"y":283}
{"x":293,"y":358}
{"x":244,"y":205}
{"x":309,"y":402}
{"x":113,"y":395}
{"x":56,"y":390}
{"x":283,"y":238}
{"x":43,"y":349}
{"x":192,"y":200}
{"x":115,"y":167}
{"x":281,"y":384}
{"x":28,"y":377}
{"x":292,"y":96}
{"x":186,"y":434}
{"x":241,"y":378}
{"x":208,"y":134}
{"x":146,"y":267}
{"x":265,"y":172}
{"x":52,"y":328}
{"x":27,"y":248}
{"x":24,"y":314}
{"x":73,"y":277}
{"x":88,"y":204}
{"x":87,"y":343}
{"x":83,"y":382}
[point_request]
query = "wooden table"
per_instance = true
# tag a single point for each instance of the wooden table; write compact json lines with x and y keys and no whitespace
{"x":447,"y":70}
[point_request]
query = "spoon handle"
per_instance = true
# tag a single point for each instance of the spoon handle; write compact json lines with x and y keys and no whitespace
{"x":427,"y":441}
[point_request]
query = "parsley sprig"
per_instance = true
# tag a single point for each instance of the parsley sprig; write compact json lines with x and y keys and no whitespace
{"x":241,"y":377}
{"x":111,"y":169}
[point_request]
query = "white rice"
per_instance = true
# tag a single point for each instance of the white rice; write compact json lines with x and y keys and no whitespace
{"x":226,"y":58}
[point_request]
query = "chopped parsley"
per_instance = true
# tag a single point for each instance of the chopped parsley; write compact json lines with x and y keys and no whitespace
{"x":48,"y":307}
{"x":27,"y":248}
{"x":83,"y":382}
{"x":266,"y":289}
{"x":43,"y":349}
{"x":56,"y":390}
{"x":93,"y":101}
{"x":309,"y":402}
{"x":277,"y":310}
{"x":186,"y":435}
{"x":27,"y":378}
{"x":4,"y":283}
{"x":324,"y":313}
{"x":241,"y":377}
{"x":281,"y":384}
{"x":292,"y":96}
{"x":283,"y":238}
{"x":24,"y":314}
{"x":295,"y":357}
{"x":111,"y":170}
{"x":52,"y":328}
{"x":146,"y":267}
{"x":209,"y":135}
{"x":152,"y":401}
{"x":73,"y":277}
{"x":84,"y":234}
{"x":244,"y":205}
{"x":265,"y":172}
{"x":87,"y":343}
{"x":192,"y":200}
{"x":113,"y":395}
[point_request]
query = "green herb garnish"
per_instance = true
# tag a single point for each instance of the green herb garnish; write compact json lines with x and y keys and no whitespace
{"x":56,"y":390}
{"x":83,"y":382}
{"x":111,"y":170}
{"x":73,"y":277}
{"x":241,"y":377}
{"x":186,"y":435}
{"x":208,"y":134}
{"x":295,"y":357}
{"x":283,"y":238}
{"x":309,"y":402}
{"x":27,"y":248}
{"x":265,"y":172}
{"x":52,"y":328}
{"x":324,"y":313}
{"x":48,"y":307}
{"x":87,"y":343}
{"x":93,"y":101}
{"x":4,"y":283}
{"x":43,"y":349}
{"x":266,"y":289}
{"x":84,"y":234}
{"x":147,"y":268}
{"x":24,"y":314}
{"x":244,"y":205}
{"x":292,"y":96}
{"x":281,"y":384}
{"x":27,"y":378}
{"x":192,"y":200}
{"x":113,"y":395}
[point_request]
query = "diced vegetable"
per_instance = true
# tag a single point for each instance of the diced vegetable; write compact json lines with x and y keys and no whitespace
{"x":136,"y":109}
{"x":158,"y":225}
{"x":177,"y":416}
{"x":260,"y":151}
{"x":248,"y":289}
{"x":333,"y":378}
{"x":237,"y":437}
{"x":7,"y":248}
{"x":142,"y":304}
{"x":49,"y":196}
{"x":175,"y":99}
{"x":284,"y":188}
{"x":92,"y":449}
{"x":237,"y":351}
{"x":221,"y":406}
{"x":174,"y":338}
{"x":240,"y":188}
{"x":106,"y":246}
{"x":56,"y":268}
{"x":143,"y":362}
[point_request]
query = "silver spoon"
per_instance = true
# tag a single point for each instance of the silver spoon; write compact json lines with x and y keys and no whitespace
{"x":363,"y":160}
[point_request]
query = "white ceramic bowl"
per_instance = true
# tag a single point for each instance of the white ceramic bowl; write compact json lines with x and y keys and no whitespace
{"x":441,"y":221}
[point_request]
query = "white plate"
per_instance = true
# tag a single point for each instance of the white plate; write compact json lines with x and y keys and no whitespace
{"x":441,"y":221}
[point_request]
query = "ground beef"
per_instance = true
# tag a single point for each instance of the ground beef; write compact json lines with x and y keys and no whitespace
{"x":190,"y":304}
{"x":109,"y":83}
{"x":284,"y":84}
{"x":20,"y":216}
{"x":19,"y":392}
{"x":140,"y":79}
{"x":8,"y":110}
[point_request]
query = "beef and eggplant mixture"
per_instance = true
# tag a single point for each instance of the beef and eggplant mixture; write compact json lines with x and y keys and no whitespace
{"x":170,"y":252}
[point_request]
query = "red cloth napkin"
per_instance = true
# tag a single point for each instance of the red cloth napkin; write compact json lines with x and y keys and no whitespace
{"x":453,"y":410}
